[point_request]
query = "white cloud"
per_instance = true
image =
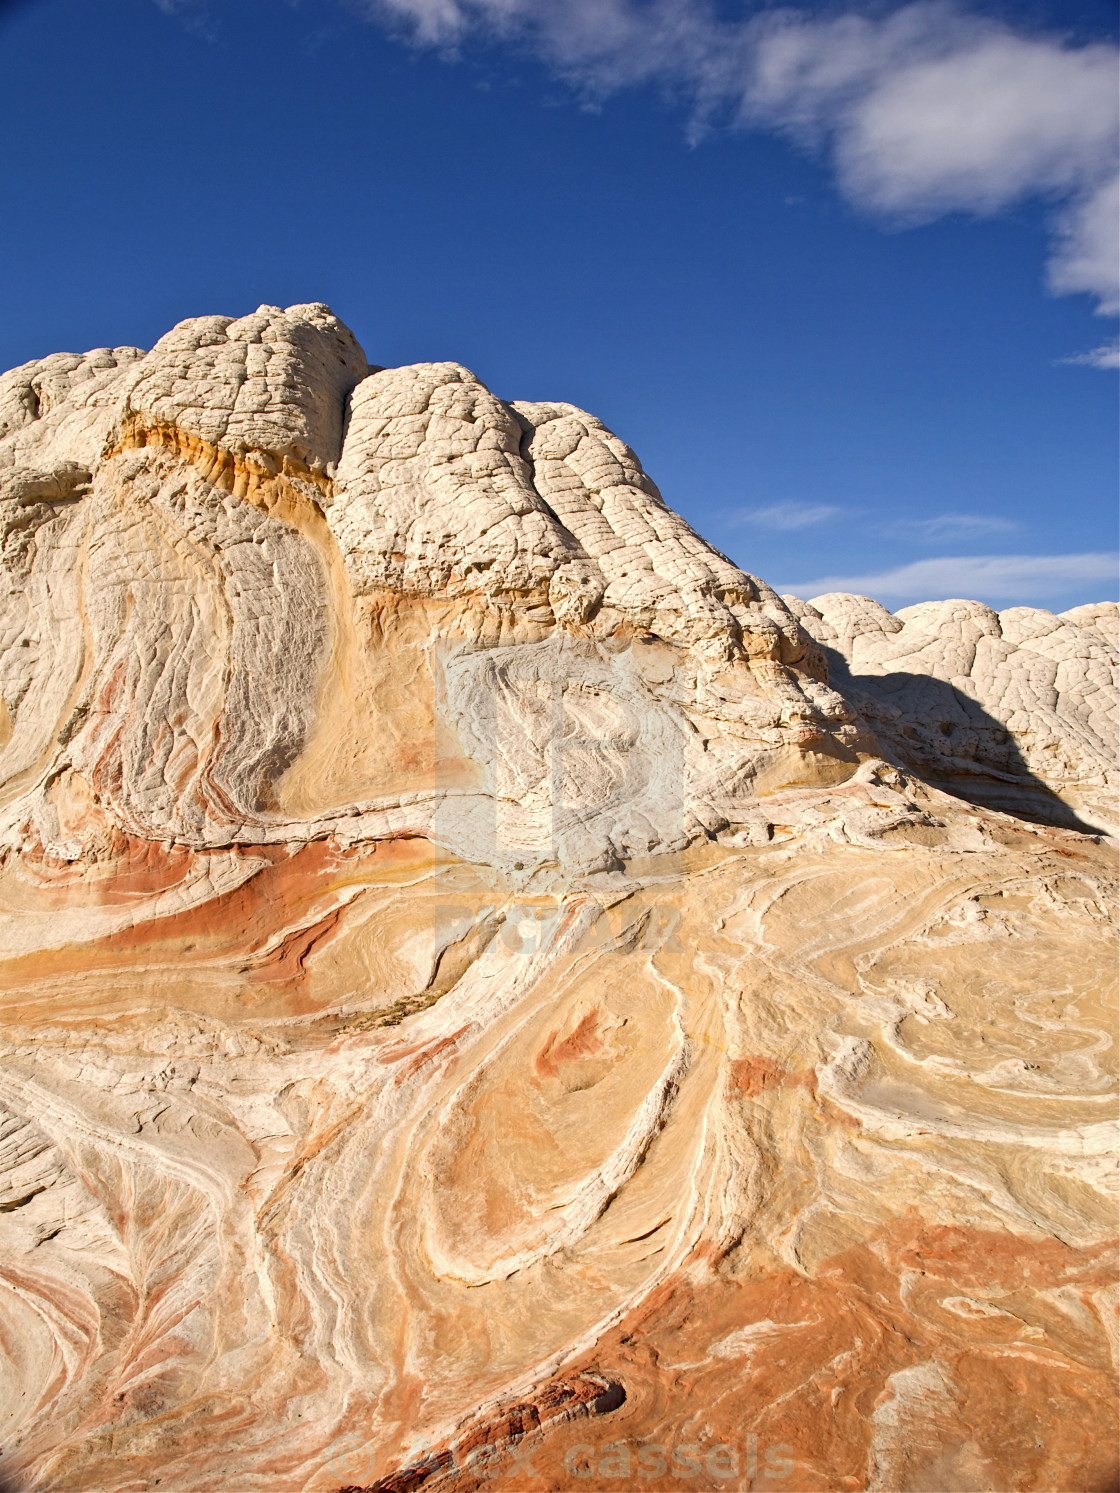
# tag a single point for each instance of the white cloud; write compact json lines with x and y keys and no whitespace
{"x":1086,"y":254}
{"x":1006,"y":578}
{"x":789,"y":515}
{"x":932,"y":110}
{"x":925,"y":111}
{"x":1105,"y":356}
{"x":432,"y":20}
{"x":954,"y":526}
{"x":599,"y":44}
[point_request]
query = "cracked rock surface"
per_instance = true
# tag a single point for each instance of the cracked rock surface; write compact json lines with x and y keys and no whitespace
{"x":493,"y":996}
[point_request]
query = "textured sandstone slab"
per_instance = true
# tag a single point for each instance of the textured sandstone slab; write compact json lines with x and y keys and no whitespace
{"x":488,"y":990}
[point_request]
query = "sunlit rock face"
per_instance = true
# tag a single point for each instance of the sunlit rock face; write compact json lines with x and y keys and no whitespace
{"x":483,"y":1005}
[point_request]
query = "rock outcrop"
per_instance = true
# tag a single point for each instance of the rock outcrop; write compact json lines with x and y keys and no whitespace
{"x":1016,"y":709}
{"x":493,"y":996}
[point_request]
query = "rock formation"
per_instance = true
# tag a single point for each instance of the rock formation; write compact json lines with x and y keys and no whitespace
{"x":493,"y":996}
{"x":1016,"y":709}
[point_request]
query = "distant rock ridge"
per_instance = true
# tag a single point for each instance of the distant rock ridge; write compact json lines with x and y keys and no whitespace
{"x":493,"y":996}
{"x":1017,"y":707}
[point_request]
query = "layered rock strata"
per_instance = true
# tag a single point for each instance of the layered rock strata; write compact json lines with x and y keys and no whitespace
{"x":489,"y":990}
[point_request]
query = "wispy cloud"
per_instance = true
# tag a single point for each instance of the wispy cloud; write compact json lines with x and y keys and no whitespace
{"x":1105,"y":356}
{"x":933,"y":110}
{"x":941,"y":526}
{"x":928,"y":110}
{"x":191,"y":14}
{"x":1007,"y":578}
{"x":1086,"y":254}
{"x":787,"y":516}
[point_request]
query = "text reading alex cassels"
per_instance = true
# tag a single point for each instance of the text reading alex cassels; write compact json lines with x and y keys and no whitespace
{"x":621,"y":1461}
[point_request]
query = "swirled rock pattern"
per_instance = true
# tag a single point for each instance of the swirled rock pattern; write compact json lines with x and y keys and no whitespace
{"x":493,"y":996}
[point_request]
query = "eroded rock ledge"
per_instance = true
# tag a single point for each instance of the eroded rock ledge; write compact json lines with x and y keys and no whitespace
{"x":487,"y":985}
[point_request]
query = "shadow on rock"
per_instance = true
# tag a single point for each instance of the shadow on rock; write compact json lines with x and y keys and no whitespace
{"x":950,"y":741}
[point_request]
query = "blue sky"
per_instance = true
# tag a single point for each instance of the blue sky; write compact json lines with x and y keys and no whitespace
{"x":808,"y":265}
